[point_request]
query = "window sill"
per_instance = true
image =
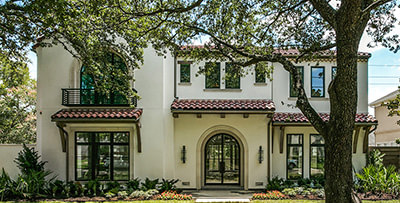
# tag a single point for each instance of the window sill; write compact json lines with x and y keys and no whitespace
{"x":260,"y":84}
{"x":310,"y":98}
{"x":185,"y":83}
{"x":222,"y":90}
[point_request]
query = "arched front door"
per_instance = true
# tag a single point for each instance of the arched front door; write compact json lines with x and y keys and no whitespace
{"x":222,"y":160}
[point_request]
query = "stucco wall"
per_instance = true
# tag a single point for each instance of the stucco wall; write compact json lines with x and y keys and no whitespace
{"x":8,"y":153}
{"x":388,"y":130}
{"x":192,"y":132}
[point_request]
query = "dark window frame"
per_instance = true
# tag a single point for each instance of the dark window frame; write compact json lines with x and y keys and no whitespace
{"x":291,"y":80}
{"x":315,"y":145}
{"x":92,"y":143}
{"x":219,"y":75}
{"x":181,"y":70}
{"x":232,"y":78}
{"x":287,"y":154}
{"x":323,"y":81}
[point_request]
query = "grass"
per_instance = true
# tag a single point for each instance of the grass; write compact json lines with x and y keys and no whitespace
{"x":255,"y":201}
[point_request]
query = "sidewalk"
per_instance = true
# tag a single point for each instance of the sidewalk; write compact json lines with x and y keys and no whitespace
{"x":220,"y":195}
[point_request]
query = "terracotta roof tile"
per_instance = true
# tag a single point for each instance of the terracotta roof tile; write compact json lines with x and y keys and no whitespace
{"x":223,"y":104}
{"x":126,"y":113}
{"x":300,"y":118}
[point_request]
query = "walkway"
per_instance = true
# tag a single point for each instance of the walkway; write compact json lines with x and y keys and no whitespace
{"x":220,"y":195}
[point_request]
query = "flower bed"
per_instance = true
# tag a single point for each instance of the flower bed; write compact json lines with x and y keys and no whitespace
{"x":172,"y":195}
{"x":268,"y":195}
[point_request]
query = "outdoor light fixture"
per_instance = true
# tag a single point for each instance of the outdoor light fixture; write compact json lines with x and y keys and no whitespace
{"x":183,"y":155}
{"x":260,"y":155}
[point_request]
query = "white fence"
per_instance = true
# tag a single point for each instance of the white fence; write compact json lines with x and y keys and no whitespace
{"x":8,"y":153}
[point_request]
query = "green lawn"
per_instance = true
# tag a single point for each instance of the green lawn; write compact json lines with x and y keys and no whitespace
{"x":256,"y":201}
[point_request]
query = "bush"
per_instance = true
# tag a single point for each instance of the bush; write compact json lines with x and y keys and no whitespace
{"x":275,"y":184}
{"x":269,"y":195}
{"x":290,"y":192}
{"x":378,"y":180}
{"x":172,"y":195}
{"x":168,"y":185}
{"x":28,"y":161}
{"x":113,"y":187}
{"x":281,"y":184}
{"x":143,"y":195}
{"x":133,"y":185}
{"x":149,"y":184}
{"x":6,"y":186}
{"x":375,"y":158}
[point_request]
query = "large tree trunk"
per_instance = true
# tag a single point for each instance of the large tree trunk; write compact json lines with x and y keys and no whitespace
{"x":343,"y":98}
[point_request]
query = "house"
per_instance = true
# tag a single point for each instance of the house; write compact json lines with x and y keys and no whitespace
{"x":209,"y":131}
{"x":388,"y":130}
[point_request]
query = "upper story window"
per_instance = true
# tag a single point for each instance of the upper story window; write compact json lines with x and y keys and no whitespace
{"x":317,"y":155}
{"x":259,"y":74}
{"x":89,"y":95}
{"x":317,"y":81}
{"x":294,"y":156}
{"x":185,"y":73}
{"x":334,"y":69}
{"x":232,"y":77}
{"x":213,"y":75}
{"x":293,"y":91}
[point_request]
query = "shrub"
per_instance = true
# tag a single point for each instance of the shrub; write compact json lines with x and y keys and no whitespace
{"x":92,"y":188}
{"x":378,"y":180}
{"x":149,"y":184}
{"x":172,"y":195}
{"x":122,"y":194}
{"x":168,"y":185}
{"x":6,"y":186}
{"x":133,"y":185}
{"x":375,"y":158}
{"x":290,"y":192}
{"x":268,"y":195}
{"x":28,"y":161}
{"x":275,"y":184}
{"x":113,"y":187}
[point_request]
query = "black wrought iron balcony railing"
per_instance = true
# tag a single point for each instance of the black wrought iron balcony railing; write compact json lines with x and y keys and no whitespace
{"x":91,"y":97}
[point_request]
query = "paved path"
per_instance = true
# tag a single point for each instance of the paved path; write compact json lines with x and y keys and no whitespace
{"x":220,"y":195}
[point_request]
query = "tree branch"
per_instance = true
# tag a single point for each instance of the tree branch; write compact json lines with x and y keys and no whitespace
{"x":315,"y":49}
{"x":373,"y":6}
{"x":326,"y":11}
{"x":163,"y":10}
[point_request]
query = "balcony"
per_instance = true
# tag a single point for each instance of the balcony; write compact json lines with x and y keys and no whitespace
{"x":90,"y":97}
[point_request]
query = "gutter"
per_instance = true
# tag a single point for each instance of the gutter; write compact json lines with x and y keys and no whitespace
{"x":175,"y":61}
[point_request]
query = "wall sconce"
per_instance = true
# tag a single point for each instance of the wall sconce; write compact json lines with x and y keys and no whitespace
{"x":183,"y":154}
{"x":260,"y":155}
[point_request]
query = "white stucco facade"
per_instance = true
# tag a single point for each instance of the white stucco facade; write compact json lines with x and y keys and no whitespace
{"x":162,"y":133}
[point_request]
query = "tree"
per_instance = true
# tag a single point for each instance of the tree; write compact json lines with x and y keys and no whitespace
{"x":244,"y":32}
{"x":17,"y":103}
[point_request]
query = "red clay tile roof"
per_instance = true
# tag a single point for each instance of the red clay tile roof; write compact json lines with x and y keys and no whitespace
{"x":126,"y":113}
{"x":288,"y":52}
{"x":223,"y":104}
{"x":300,"y":118}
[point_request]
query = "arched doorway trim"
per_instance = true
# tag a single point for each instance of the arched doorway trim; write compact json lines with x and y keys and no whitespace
{"x":201,"y":144}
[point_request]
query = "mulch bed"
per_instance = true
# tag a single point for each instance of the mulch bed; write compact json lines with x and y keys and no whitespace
{"x":370,"y":196}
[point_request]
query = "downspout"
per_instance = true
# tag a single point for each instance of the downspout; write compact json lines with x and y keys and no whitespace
{"x":269,"y":148}
{"x":175,"y":75}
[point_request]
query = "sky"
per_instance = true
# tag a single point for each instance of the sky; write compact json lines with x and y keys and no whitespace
{"x":383,"y":68}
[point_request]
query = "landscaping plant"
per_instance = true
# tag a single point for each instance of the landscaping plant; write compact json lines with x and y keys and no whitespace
{"x":133,"y":185}
{"x":149,"y":184}
{"x":172,"y":195}
{"x":168,"y":185}
{"x":268,"y":195}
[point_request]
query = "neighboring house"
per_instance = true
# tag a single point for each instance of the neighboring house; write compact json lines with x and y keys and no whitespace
{"x":204,"y":131}
{"x":388,"y":130}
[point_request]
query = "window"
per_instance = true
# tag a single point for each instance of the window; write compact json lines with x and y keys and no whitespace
{"x":259,"y":74}
{"x":90,"y":95}
{"x":232,"y":76}
{"x":317,"y":82}
{"x":334,"y":69}
{"x":317,"y":155}
{"x":293,"y":91}
{"x":185,"y":73}
{"x":213,"y":75}
{"x":102,"y":156}
{"x":294,"y":156}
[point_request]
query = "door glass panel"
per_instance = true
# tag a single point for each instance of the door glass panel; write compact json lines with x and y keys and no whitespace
{"x":103,"y":164}
{"x":222,"y":163}
{"x":83,"y":164}
{"x":121,"y":162}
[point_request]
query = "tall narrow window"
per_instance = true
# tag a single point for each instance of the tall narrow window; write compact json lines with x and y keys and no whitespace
{"x":317,"y":82}
{"x":317,"y":155}
{"x":293,"y":91}
{"x":102,"y":156}
{"x":185,"y":73}
{"x":259,"y":74}
{"x":232,"y":77}
{"x":334,"y":69}
{"x":213,"y":75}
{"x":294,"y":156}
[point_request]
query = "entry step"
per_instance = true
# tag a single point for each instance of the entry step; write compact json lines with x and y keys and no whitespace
{"x":222,"y":200}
